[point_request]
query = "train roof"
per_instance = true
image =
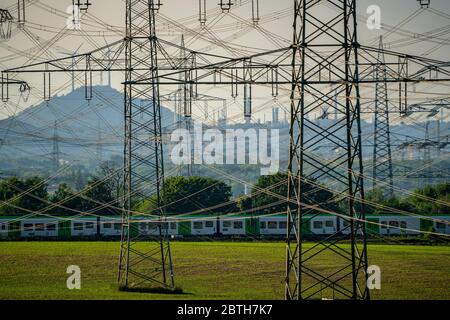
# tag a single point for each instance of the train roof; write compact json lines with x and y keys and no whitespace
{"x":187,"y":217}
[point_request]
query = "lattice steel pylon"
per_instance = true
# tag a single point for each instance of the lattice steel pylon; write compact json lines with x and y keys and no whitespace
{"x":325,"y":52}
{"x":5,"y":24}
{"x":143,"y":264}
{"x":427,"y":151}
{"x":56,"y":156}
{"x":382,"y":153}
{"x":184,"y":101}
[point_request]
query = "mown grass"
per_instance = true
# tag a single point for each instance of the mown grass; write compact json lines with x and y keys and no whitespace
{"x":213,"y":270}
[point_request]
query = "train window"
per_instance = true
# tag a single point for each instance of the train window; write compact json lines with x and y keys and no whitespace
{"x":106,"y":225}
{"x":117,"y":226}
{"x":89,"y":225}
{"x":173,"y":225}
{"x":383,"y":224}
{"x":165,"y":225}
{"x":51,"y":227}
{"x":393,"y":224}
{"x":152,"y":226}
{"x":262,"y":224}
{"x":346,"y":224}
{"x":403,"y":224}
{"x":28,"y":227}
{"x":329,"y":223}
{"x":3,"y":226}
{"x":77,"y":226}
{"x":272,"y":224}
{"x":282,"y":224}
{"x":198,"y":225}
{"x":227,"y":224}
{"x":209,"y":224}
{"x":317,"y":224}
{"x":440,"y":225}
{"x":39,"y":227}
{"x":238,"y":225}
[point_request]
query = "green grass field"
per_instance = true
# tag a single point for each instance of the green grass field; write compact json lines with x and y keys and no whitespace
{"x":213,"y":270}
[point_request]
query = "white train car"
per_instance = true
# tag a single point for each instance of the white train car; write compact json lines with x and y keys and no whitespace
{"x":388,"y":225}
{"x":172,"y":228}
{"x":111,"y":228}
{"x":86,"y":227}
{"x":230,"y":227}
{"x":273,"y":226}
{"x":204,"y":227}
{"x":4,"y":229}
{"x":443,"y":225}
{"x":45,"y":227}
{"x":323,"y":225}
{"x":152,"y":229}
{"x":397,"y":225}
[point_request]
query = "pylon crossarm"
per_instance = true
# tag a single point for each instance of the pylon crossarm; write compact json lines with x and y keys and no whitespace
{"x":271,"y":67}
{"x":401,"y":67}
{"x":6,"y":82}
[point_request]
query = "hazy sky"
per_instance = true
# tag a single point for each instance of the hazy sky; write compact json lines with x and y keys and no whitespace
{"x":47,"y":18}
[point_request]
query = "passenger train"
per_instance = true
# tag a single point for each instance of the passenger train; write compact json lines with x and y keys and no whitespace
{"x":270,"y":226}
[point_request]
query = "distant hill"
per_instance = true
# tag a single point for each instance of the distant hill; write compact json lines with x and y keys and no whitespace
{"x":79,"y":123}
{"x":89,"y":132}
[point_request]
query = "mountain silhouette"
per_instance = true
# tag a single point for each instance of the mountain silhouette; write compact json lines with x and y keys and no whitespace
{"x":76,"y":122}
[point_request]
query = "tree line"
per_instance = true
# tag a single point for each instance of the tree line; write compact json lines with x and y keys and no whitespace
{"x":431,"y":199}
{"x":199,"y":195}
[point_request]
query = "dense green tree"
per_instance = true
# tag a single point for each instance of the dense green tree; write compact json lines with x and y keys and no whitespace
{"x":417,"y":202}
{"x":377,"y":202}
{"x":267,"y":202}
{"x":97,"y":194}
{"x":191,"y":194}
{"x":113,"y":176}
{"x":65,"y":197}
{"x":78,"y":178}
{"x":17,"y":194}
{"x":436,"y":194}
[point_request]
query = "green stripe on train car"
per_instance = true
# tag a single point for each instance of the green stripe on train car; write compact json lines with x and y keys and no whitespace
{"x":134,"y":229}
{"x":373,"y":228}
{"x":306,"y":227}
{"x":252,"y":227}
{"x":426,"y":225}
{"x":14,"y":229}
{"x":184,"y":228}
{"x":64,"y":229}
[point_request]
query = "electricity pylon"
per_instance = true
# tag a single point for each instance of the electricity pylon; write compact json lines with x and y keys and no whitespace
{"x":99,"y":144}
{"x":5,"y":24}
{"x":427,"y":150}
{"x":55,"y":152}
{"x":184,"y":100}
{"x":326,"y":52}
{"x":382,"y":153}
{"x":143,"y":264}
